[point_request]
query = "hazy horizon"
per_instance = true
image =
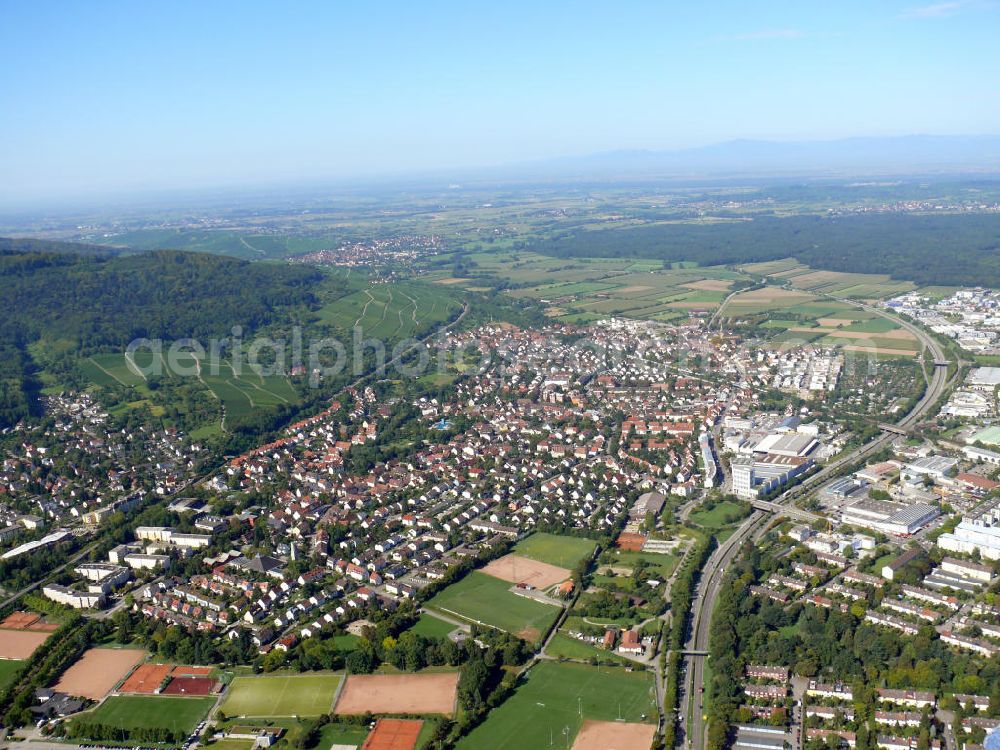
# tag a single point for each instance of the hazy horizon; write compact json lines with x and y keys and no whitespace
{"x":108,"y":99}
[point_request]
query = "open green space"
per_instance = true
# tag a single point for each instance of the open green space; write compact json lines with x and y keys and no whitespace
{"x":151,"y":711}
{"x":564,"y":551}
{"x":484,"y":599}
{"x":724,"y":513}
{"x":432,"y":627}
{"x":281,"y":695}
{"x":563,"y":646}
{"x":391,"y":312}
{"x":558,"y":696}
{"x":341,"y":734}
{"x":8,"y":670}
{"x":659,"y":565}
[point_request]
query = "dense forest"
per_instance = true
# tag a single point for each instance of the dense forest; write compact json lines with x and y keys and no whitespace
{"x":78,"y":300}
{"x":941,"y":249}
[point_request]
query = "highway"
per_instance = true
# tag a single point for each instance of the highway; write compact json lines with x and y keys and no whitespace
{"x":692,"y":709}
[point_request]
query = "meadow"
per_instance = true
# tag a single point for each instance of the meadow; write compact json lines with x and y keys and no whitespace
{"x":483,"y":599}
{"x":554,"y":700}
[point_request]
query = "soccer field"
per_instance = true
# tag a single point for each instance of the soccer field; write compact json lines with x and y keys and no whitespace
{"x":563,"y":551}
{"x":151,"y":711}
{"x":281,"y":695}
{"x":482,"y":598}
{"x":556,"y":697}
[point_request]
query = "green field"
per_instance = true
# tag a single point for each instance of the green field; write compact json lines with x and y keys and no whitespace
{"x":592,"y":288}
{"x":240,"y":393}
{"x":485,"y":599}
{"x":563,"y":647}
{"x":8,"y":668}
{"x":391,"y":311}
{"x":341,"y":734}
{"x":281,"y":695}
{"x":553,"y":696}
{"x":725,"y":513}
{"x":564,"y":551}
{"x":660,"y":565}
{"x":432,"y":627}
{"x":150,"y":711}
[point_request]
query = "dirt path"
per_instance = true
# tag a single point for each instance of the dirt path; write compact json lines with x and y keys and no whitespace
{"x":130,"y":361}
{"x":252,"y":248}
{"x":364,"y":310}
{"x":106,"y":372}
{"x":222,"y":404}
{"x":413,"y":313}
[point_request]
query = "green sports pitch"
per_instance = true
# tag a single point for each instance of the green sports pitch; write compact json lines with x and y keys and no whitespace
{"x":558,"y":697}
{"x":484,"y":599}
{"x":281,"y":695}
{"x":563,"y":551}
{"x":151,"y":711}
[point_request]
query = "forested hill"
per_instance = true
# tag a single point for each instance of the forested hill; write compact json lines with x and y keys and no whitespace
{"x":10,"y":245}
{"x":69,"y":304}
{"x":941,"y":249}
{"x":99,"y":301}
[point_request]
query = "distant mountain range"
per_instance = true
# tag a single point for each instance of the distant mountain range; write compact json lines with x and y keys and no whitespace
{"x":911,"y":154}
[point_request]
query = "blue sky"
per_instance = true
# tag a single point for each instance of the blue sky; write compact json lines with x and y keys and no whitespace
{"x":109,"y":96}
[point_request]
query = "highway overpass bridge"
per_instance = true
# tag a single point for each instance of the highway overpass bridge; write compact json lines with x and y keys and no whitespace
{"x":788,"y":510}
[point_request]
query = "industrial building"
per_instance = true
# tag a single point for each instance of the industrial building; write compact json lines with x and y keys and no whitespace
{"x":978,"y":531}
{"x":889,"y":517}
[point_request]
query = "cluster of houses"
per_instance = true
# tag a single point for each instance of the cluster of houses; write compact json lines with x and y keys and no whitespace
{"x":58,"y":475}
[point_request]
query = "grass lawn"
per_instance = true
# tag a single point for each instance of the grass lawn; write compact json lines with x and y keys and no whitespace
{"x":432,"y":627}
{"x":342,"y":734}
{"x":148,"y":711}
{"x":564,"y":551}
{"x":482,"y":598}
{"x":725,"y":513}
{"x":553,"y":697}
{"x":562,"y":646}
{"x":346,"y":642}
{"x":8,"y":668}
{"x":661,"y":565}
{"x":281,"y":695}
{"x":229,"y":745}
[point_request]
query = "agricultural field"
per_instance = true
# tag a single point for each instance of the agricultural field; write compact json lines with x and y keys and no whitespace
{"x":146,"y":712}
{"x":592,"y":288}
{"x":562,"y":551}
{"x":835,"y":283}
{"x":239,"y":392}
{"x":796,"y":316}
{"x":555,"y":696}
{"x":281,"y":695}
{"x":484,"y":599}
{"x":221,"y":242}
{"x":390,"y":312}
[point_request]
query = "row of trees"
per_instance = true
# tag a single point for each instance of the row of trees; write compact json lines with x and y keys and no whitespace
{"x":681,"y":595}
{"x":87,"y":730}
